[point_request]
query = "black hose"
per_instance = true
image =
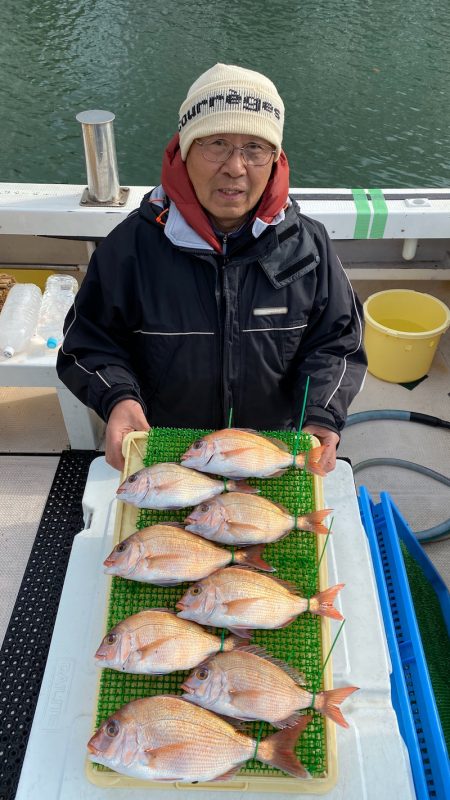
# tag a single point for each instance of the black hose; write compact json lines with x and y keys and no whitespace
{"x":438,"y":532}
{"x":406,"y":416}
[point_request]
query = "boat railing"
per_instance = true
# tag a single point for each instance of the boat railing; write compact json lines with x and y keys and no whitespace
{"x":379,"y":233}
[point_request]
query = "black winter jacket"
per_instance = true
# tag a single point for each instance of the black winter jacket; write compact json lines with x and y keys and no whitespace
{"x":191,"y":334}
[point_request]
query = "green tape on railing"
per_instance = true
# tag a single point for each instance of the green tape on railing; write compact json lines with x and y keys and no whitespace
{"x":380,"y":213}
{"x":363,"y":214}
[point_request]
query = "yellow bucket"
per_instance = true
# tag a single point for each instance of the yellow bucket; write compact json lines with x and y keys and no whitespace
{"x":402,"y":332}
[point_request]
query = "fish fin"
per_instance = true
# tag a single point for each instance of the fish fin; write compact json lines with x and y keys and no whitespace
{"x":288,"y":722}
{"x":244,"y":633}
{"x":226,"y":775}
{"x":278,"y":750}
{"x":256,"y":650}
{"x":251,"y":557}
{"x":234,"y":642}
{"x":166,"y":757}
{"x":163,"y":487}
{"x":168,"y":485}
{"x":241,"y":486}
{"x":310,"y":460}
{"x":313,"y":521}
{"x":226,"y":454}
{"x":175,"y":582}
{"x":291,"y":587}
{"x":144,"y":652}
{"x":244,"y":526}
{"x":281,"y":445}
{"x":240,"y":725}
{"x":239,"y":605}
{"x":240,"y":700}
{"x":157,"y":561}
{"x":327,"y":703}
{"x":171,"y":523}
{"x":325,"y":602}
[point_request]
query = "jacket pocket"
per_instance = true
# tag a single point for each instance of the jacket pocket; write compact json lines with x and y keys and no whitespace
{"x":284,"y":335}
{"x":179,"y":375}
{"x":289,"y":338}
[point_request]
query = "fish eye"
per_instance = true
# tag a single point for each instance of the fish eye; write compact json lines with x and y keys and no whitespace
{"x":133,"y":478}
{"x":111,"y":638}
{"x":196,"y":590}
{"x":112,"y":728}
{"x":204,"y":507}
{"x":202,"y":674}
{"x":121,"y":547}
{"x":197,"y":444}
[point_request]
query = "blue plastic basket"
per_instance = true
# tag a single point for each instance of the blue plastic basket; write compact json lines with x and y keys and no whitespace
{"x":415,"y":548}
{"x":412,"y":693}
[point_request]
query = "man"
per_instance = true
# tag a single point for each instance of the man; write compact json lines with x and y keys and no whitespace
{"x":217,"y":295}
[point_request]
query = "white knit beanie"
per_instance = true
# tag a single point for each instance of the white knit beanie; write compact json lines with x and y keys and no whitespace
{"x":230,"y":99}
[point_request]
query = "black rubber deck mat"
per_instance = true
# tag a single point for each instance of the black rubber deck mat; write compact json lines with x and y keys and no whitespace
{"x":25,"y":648}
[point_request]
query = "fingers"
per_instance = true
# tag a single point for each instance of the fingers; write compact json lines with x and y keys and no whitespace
{"x":126,"y":416}
{"x":328,"y":460}
{"x":330,"y":440}
{"x":113,"y":448}
{"x":141,"y":423}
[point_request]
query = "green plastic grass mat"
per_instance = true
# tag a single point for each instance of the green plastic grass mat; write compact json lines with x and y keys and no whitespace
{"x":295,"y":559}
{"x":435,"y":640}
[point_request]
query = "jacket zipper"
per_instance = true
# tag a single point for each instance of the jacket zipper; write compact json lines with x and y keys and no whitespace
{"x":222,"y":313}
{"x":226,"y":389}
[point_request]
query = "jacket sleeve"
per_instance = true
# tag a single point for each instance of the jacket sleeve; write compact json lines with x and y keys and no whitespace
{"x":94,"y":360}
{"x":331,"y":352}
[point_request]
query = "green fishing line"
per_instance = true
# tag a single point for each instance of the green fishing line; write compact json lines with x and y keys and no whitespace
{"x":258,"y":739}
{"x":328,"y":656}
{"x":301,"y":419}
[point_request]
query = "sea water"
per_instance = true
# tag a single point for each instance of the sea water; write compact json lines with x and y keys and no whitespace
{"x":365,"y":85}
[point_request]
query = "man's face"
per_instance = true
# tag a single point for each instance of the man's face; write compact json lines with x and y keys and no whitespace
{"x":227,"y":190}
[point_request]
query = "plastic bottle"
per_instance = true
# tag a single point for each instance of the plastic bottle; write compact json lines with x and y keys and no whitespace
{"x":18,"y":318}
{"x":58,"y":297}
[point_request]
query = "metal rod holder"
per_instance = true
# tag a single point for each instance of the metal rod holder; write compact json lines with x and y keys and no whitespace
{"x":101,"y":162}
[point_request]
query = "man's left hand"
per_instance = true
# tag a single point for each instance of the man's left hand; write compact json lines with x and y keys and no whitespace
{"x":330,"y":440}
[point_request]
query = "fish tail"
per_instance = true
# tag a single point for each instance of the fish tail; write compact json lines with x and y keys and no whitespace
{"x":241,"y":486}
{"x":322,"y":602}
{"x":278,"y":750}
{"x":251,"y":557}
{"x":232,"y":642}
{"x":310,"y":460}
{"x":327,"y":703}
{"x":313,"y":521}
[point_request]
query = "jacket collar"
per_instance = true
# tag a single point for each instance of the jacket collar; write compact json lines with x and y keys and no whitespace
{"x":181,"y":234}
{"x":285,"y":255}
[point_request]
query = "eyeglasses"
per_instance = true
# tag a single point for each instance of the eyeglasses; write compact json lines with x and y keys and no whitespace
{"x":220,"y":150}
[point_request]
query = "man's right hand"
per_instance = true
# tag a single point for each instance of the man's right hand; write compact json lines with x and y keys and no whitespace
{"x":125,"y":417}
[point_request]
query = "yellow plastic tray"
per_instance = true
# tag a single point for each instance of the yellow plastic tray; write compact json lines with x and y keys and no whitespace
{"x":134,"y":450}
